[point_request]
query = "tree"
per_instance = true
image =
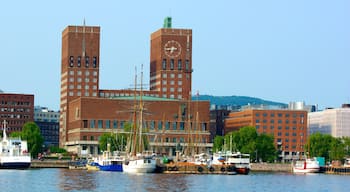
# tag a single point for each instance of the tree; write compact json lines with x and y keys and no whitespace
{"x":108,"y":138}
{"x":218,"y":143}
{"x":318,"y":145}
{"x":31,"y":133}
{"x":265,"y":147}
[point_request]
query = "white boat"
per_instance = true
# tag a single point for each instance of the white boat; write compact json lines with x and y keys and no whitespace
{"x":309,"y":165}
{"x":140,"y":164}
{"x":241,"y":161}
{"x":13,"y":152}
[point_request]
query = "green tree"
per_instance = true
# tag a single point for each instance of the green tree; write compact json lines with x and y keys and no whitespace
{"x":31,"y":133}
{"x":318,"y":145}
{"x":337,"y":149}
{"x":108,"y":138}
{"x":218,"y":143}
{"x":266,"y":150}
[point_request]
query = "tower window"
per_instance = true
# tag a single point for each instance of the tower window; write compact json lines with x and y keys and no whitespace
{"x":86,"y":61}
{"x":79,"y":61}
{"x":164,"y":64}
{"x":171,"y":64}
{"x":179,"y":64}
{"x":71,"y":61}
{"x":187,"y":65}
{"x":94,"y":62}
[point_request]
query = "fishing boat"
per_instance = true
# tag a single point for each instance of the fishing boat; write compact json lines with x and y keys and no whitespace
{"x":109,"y":162}
{"x":308,"y":165}
{"x":13,"y":152}
{"x":241,"y":161}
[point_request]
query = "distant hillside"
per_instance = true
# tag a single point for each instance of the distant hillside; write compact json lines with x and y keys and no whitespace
{"x":236,"y":100}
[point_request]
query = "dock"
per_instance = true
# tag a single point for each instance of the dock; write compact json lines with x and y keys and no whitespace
{"x":191,"y":168}
{"x":337,"y":170}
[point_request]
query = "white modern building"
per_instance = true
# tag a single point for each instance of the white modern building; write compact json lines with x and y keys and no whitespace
{"x":335,"y":122}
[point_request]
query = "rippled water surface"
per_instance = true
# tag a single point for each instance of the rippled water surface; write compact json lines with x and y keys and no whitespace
{"x":82,"y":180}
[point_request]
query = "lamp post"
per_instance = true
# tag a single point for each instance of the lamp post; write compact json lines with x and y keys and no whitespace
{"x":256,"y":156}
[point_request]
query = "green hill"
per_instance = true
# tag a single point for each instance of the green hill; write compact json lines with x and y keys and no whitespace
{"x":236,"y":100}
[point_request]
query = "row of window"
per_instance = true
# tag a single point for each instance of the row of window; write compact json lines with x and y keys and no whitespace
{"x":79,"y":80}
{"x":14,"y":116}
{"x":279,"y":121}
{"x":87,"y":73}
{"x":172,"y":64}
{"x":21,"y":110}
{"x":279,"y":127}
{"x":102,"y":94}
{"x":94,"y":87}
{"x":79,"y":61}
{"x":152,"y":125}
{"x":164,"y":82}
{"x":279,"y":115}
{"x":15,"y":103}
{"x":172,"y":89}
{"x":86,"y":94}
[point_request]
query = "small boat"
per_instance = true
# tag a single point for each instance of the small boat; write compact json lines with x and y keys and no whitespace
{"x":109,"y":162}
{"x":92,"y":165}
{"x":241,"y":161}
{"x":309,"y":165}
{"x":13,"y":152}
{"x":140,"y":164}
{"x":79,"y":164}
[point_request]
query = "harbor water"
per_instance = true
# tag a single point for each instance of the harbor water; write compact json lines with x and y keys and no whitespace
{"x":81,"y":180}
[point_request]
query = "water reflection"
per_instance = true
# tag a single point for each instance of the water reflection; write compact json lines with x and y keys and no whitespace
{"x":168,"y":182}
{"x":77,"y":180}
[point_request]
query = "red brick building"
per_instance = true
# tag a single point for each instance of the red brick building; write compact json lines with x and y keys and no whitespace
{"x":88,"y":111}
{"x":16,"y":109}
{"x":289,"y":128}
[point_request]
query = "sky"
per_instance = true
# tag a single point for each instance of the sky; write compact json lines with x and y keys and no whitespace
{"x":278,"y":50}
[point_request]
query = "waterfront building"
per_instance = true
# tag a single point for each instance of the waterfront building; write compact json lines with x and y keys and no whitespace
{"x":86,"y":111}
{"x":332,"y":121}
{"x":288,"y":127}
{"x":16,"y":109}
{"x":48,"y":123}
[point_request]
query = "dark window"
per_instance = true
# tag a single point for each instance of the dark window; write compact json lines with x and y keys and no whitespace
{"x":79,"y":61}
{"x":85,"y":123}
{"x":187,"y":65}
{"x":107,"y":124}
{"x":94,"y":62}
{"x":99,"y":123}
{"x":164,"y":64}
{"x":179,"y":64}
{"x":86,"y":61}
{"x":115,"y":124}
{"x":71,"y":61}
{"x":160,"y":125}
{"x":171,"y":64}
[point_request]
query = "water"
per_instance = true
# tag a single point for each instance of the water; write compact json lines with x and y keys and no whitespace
{"x":82,"y":180}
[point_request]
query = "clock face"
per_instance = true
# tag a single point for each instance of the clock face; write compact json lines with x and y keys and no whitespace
{"x":172,"y":49}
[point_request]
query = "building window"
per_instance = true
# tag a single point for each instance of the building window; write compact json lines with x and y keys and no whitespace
{"x":85,"y":123}
{"x":84,"y":138}
{"x":92,"y":123}
{"x":171,"y":64}
{"x":179,"y":76}
{"x":164,"y":89}
{"x":71,"y":86}
{"x":71,"y":61}
{"x":152,"y":125}
{"x":160,"y":125}
{"x":92,"y":138}
{"x":86,"y":61}
{"x":78,"y":93}
{"x":71,"y":93}
{"x":115,"y":124}
{"x":179,"y":64}
{"x":86,"y":86}
{"x":79,"y":73}
{"x":164,"y":82}
{"x":179,"y":82}
{"x":172,"y":75}
{"x":174,"y":125}
{"x":94,"y":73}
{"x":172,"y":82}
{"x":108,"y":124}
{"x":79,"y":61}
{"x":87,"y":80}
{"x":94,"y":62}
{"x":167,"y":125}
{"x":164,"y":64}
{"x":164,"y":75}
{"x":174,"y":140}
{"x":179,"y":89}
{"x":100,"y":123}
{"x":79,"y":79}
{"x":187,"y":65}
{"x":86,"y":94}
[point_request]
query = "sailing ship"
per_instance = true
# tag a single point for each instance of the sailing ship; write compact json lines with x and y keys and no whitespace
{"x":138,"y":161}
{"x":13,"y":152}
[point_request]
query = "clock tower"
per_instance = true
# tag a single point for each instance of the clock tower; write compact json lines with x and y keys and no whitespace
{"x":171,"y":62}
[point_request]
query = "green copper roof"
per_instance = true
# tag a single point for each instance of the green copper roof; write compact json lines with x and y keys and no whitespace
{"x":167,"y":22}
{"x":144,"y":98}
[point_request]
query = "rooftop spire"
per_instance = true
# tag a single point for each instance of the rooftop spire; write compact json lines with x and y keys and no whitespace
{"x":83,"y":39}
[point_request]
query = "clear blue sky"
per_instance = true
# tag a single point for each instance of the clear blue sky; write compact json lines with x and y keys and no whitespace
{"x":289,"y":50}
